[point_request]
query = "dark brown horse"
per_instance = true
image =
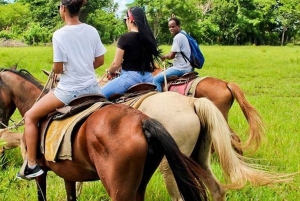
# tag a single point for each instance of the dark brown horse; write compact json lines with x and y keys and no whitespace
{"x":223,"y":94}
{"x":113,"y":140}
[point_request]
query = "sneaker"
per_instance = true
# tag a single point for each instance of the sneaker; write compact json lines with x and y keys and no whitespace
{"x":30,"y":173}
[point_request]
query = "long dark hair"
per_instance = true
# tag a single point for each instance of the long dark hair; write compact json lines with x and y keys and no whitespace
{"x":73,"y":6}
{"x":151,"y":51}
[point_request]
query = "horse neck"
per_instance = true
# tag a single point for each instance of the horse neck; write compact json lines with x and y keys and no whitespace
{"x":24,"y":93}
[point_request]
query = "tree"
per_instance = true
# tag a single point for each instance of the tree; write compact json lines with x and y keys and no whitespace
{"x":108,"y":26}
{"x":288,"y":13}
{"x":13,"y":19}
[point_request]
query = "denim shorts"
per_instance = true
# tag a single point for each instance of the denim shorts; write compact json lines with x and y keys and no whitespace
{"x":67,"y":96}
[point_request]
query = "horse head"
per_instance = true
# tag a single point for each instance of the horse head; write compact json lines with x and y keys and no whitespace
{"x":7,"y":105}
{"x":13,"y":94}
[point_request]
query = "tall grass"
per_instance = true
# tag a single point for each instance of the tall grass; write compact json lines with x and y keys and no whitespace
{"x":270,"y":79}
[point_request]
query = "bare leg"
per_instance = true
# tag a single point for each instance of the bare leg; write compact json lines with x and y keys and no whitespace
{"x":44,"y":106}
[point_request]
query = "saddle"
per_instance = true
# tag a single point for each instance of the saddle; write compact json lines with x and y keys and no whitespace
{"x":132,"y":92}
{"x":64,"y":120}
{"x":184,"y":84}
{"x":78,"y":104}
{"x":185,"y":78}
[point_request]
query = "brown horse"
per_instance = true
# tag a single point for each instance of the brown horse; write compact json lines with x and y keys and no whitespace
{"x":223,"y":94}
{"x":112,"y":140}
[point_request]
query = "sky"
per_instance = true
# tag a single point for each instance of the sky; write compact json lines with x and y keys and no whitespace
{"x":122,"y":5}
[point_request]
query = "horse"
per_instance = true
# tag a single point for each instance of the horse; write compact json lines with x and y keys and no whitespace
{"x":112,"y":140}
{"x":223,"y":93}
{"x":12,"y":140}
{"x":195,"y":124}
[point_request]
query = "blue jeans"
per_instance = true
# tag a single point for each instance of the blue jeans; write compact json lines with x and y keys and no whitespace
{"x":67,"y":96}
{"x":159,"y":79}
{"x":122,"y":83}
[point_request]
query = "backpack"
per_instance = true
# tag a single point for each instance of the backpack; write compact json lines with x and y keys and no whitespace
{"x":196,"y":59}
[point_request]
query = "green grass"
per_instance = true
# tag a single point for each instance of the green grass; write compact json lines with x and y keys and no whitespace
{"x":270,"y":79}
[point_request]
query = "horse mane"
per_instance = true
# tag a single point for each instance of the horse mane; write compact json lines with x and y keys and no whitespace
{"x":27,"y":76}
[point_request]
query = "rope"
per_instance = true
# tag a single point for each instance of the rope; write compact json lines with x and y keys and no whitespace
{"x":165,"y":76}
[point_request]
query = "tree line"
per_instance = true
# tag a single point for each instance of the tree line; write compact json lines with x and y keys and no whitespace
{"x":222,"y":22}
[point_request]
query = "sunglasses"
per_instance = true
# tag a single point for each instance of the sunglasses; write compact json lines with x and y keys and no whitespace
{"x":124,"y":19}
{"x":58,"y":7}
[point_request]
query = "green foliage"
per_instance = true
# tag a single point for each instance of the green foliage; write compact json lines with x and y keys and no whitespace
{"x":36,"y":34}
{"x":12,"y":14}
{"x":107,"y":25}
{"x":225,"y":22}
{"x":6,"y":34}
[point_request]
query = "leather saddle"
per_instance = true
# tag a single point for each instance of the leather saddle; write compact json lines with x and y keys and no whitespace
{"x":132,"y":92}
{"x":75,"y":106}
{"x":182,"y":79}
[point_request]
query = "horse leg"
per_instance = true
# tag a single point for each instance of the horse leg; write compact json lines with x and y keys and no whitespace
{"x":223,"y":96}
{"x":2,"y":159}
{"x":169,"y":180}
{"x":152,"y":162}
{"x":71,"y":190}
{"x":121,"y":181}
{"x":186,"y":145}
{"x":78,"y":188}
{"x":121,"y":168}
{"x":41,"y":182}
{"x":201,"y":155}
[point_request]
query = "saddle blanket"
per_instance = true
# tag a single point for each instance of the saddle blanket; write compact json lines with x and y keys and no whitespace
{"x":186,"y":89}
{"x":58,"y":137}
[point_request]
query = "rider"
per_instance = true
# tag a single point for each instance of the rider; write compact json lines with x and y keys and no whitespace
{"x":77,"y":52}
{"x":135,"y":54}
{"x":180,"y":44}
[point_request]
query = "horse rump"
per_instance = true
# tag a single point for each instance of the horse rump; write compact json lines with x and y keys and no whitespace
{"x":186,"y":172}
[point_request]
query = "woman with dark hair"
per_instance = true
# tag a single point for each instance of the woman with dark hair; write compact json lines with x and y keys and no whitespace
{"x":77,"y":52}
{"x":135,"y":54}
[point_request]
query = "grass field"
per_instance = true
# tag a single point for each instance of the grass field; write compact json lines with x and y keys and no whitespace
{"x":270,"y":79}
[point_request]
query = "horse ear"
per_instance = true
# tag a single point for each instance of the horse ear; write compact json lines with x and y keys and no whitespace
{"x":14,"y":67}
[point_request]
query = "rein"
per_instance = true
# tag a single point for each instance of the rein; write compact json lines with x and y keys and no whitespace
{"x":165,"y":76}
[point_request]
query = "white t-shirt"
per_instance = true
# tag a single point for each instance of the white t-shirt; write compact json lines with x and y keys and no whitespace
{"x":77,"y":46}
{"x":181,"y":44}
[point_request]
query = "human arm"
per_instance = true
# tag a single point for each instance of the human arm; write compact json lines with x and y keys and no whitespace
{"x":99,"y":61}
{"x":169,"y":56}
{"x":117,"y":62}
{"x":58,"y":67}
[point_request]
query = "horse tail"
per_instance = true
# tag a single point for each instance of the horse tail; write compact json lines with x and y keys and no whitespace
{"x":256,"y":127}
{"x":186,"y":172}
{"x":235,"y":168}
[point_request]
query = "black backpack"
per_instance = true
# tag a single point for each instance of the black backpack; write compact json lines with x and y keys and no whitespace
{"x":196,"y":59}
